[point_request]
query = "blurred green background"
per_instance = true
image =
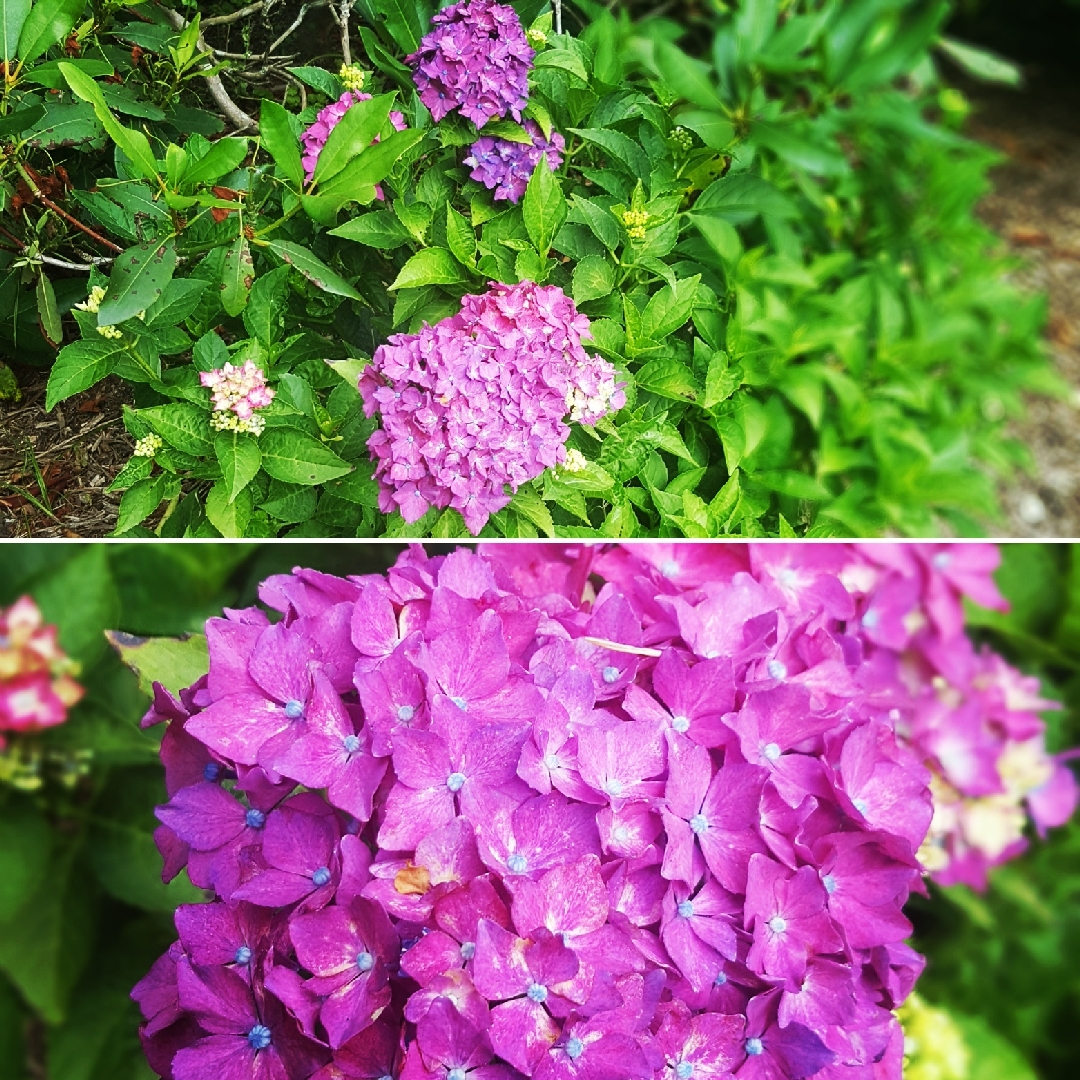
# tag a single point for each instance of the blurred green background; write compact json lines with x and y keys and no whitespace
{"x":83,"y":912}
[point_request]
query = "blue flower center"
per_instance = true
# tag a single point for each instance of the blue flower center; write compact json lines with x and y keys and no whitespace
{"x":754,"y":1047}
{"x":516,"y":863}
{"x":455,"y":781}
{"x":351,"y":743}
{"x":669,"y":568}
{"x":365,"y":961}
{"x":294,"y":709}
{"x":720,"y":980}
{"x":941,"y":560}
{"x":574,"y":1048}
{"x":255,"y":819}
{"x":829,"y":881}
{"x":771,"y":751}
{"x":461,"y":703}
{"x":776,"y":669}
{"x":684,"y":1070}
{"x":537,"y":993}
{"x":321,"y":876}
{"x":610,"y":674}
{"x":211,"y":771}
{"x":456,"y":1074}
{"x":861,"y":805}
{"x":778,"y":924}
{"x":685,"y":909}
{"x":405,"y":713}
{"x":870,"y":619}
{"x":258,"y":1037}
{"x":681,"y":724}
{"x":468,"y":950}
{"x":698,"y":824}
{"x":242,"y":956}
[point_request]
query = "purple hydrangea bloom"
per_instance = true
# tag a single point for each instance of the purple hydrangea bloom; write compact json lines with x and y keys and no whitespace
{"x":476,"y":60}
{"x":478,"y":402}
{"x":581,"y":813}
{"x":504,"y":166}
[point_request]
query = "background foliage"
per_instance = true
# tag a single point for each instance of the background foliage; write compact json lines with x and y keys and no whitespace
{"x":815,"y":330}
{"x":83,"y":912}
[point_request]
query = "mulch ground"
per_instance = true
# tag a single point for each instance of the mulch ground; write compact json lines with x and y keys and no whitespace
{"x":55,"y":466}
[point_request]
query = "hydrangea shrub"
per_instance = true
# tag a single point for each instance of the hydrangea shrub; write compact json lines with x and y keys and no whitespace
{"x":572,"y":812}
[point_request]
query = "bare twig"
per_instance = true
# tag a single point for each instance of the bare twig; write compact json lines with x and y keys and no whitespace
{"x":233,"y":16}
{"x":342,"y":19}
{"x":557,"y":5}
{"x":63,"y":264}
{"x":233,"y":113}
{"x":305,"y":8}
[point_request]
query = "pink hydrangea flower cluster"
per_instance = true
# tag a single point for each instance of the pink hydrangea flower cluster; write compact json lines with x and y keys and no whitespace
{"x":237,"y":392}
{"x":477,"y":402}
{"x":506,"y":166}
{"x":569,"y":813}
{"x":314,"y":138}
{"x":475,"y":60}
{"x":36,"y":687}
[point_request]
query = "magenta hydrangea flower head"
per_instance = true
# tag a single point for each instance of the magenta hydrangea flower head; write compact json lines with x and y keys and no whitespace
{"x":479,"y":402}
{"x":314,"y":137}
{"x":579,"y":814}
{"x":504,"y":166}
{"x":475,"y":60}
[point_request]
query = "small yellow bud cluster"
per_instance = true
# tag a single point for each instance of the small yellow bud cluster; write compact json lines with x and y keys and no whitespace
{"x":227,"y":420}
{"x":575,"y":462}
{"x":635,"y":220}
{"x":352,"y":78}
{"x":934,"y":1046}
{"x":147,"y":446}
{"x":536,"y":38}
{"x":93,"y":301}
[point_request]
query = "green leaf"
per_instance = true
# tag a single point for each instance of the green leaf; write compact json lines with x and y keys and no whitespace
{"x":220,"y":160}
{"x":138,"y":278}
{"x":295,"y":458}
{"x":619,"y":147}
{"x":602,"y":222}
{"x":318,"y":79}
{"x":432,"y":266}
{"x":799,"y":150}
{"x":127,"y":864}
{"x":81,"y":599}
{"x":669,"y":378}
{"x":48,"y":313}
{"x":721,"y":380}
{"x":139,"y":502}
{"x":790,"y":482}
{"x":179,"y":300}
{"x":240,"y":459}
{"x":564,"y":60}
{"x":719,"y":234}
{"x":460,"y":237}
{"x":714,"y":130}
{"x":593,"y":277}
{"x":406,"y":21}
{"x":743,"y":196}
{"x":529,"y":505}
{"x":182,"y":425}
{"x":25,"y":844}
{"x":668,"y":309}
{"x":13,"y":15}
{"x":378,"y":229}
{"x":237,"y":276}
{"x":79,"y":366}
{"x":47,"y":25}
{"x":62,"y":125}
{"x":44,"y":947}
{"x":229,"y":517}
{"x":543,"y":208}
{"x":980,"y":63}
{"x":318,"y":273}
{"x":689,"y":78}
{"x":280,"y":141}
{"x":370,"y":168}
{"x":176,"y":663}
{"x":352,"y":135}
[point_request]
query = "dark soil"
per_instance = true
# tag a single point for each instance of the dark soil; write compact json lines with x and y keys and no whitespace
{"x":1035,"y":207}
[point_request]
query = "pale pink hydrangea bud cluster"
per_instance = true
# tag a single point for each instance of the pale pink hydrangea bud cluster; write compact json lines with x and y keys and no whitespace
{"x":505,"y":166}
{"x":570,"y":813}
{"x":475,"y":60}
{"x":478,"y":402}
{"x":314,"y":137}
{"x":237,"y":392}
{"x":36,"y":684}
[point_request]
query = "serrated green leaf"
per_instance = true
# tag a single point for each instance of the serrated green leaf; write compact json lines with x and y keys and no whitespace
{"x":377,"y":229}
{"x":432,"y":266}
{"x":352,"y":134}
{"x":139,"y":502}
{"x":229,"y":516}
{"x":280,"y":141}
{"x":79,"y":366}
{"x":296,"y":458}
{"x":139,"y":276}
{"x":620,"y":148}
{"x":182,"y":425}
{"x":240,"y":459}
{"x":238,"y":275}
{"x":176,"y":663}
{"x":220,"y":160}
{"x":543,"y":207}
{"x":460,"y":237}
{"x":316,"y":271}
{"x":593,"y":277}
{"x":669,"y":378}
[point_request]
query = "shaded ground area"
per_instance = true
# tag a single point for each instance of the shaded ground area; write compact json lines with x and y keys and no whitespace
{"x":1035,"y":207}
{"x":54,"y":467}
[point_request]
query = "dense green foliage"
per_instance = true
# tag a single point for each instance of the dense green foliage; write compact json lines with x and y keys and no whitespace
{"x":815,"y":332}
